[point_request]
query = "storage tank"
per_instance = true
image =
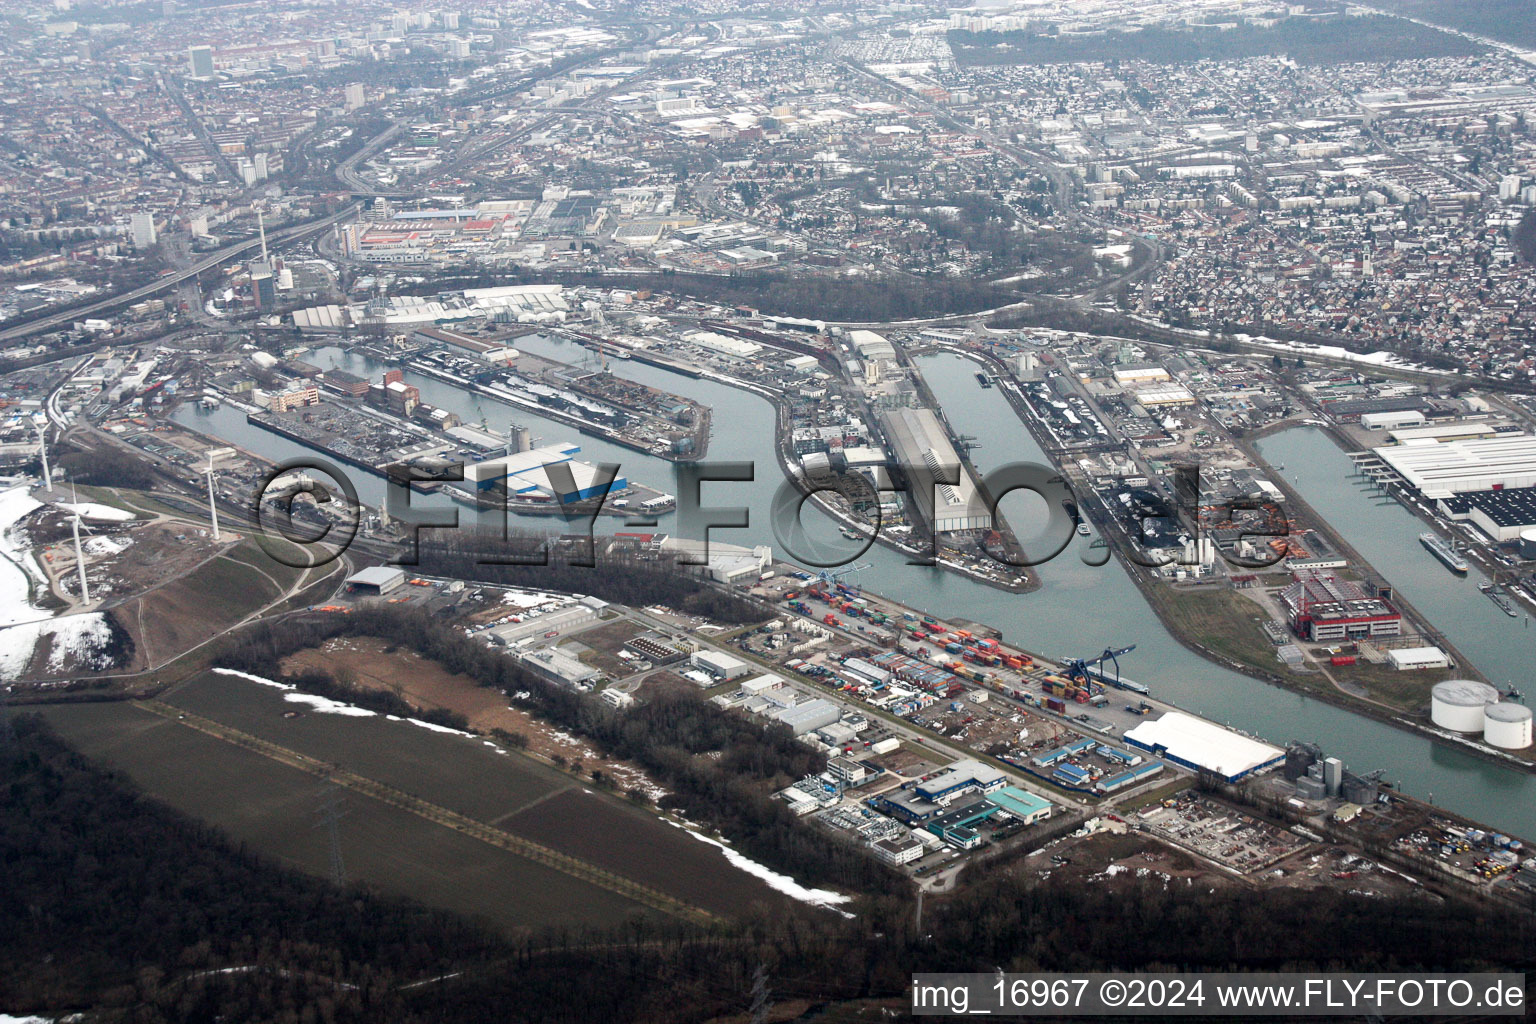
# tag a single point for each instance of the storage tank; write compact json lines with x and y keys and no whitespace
{"x":1528,"y":543}
{"x":1458,"y":704}
{"x":1507,"y":726}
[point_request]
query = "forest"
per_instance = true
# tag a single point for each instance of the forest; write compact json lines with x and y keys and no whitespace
{"x":1509,"y":21}
{"x":1308,"y":41}
{"x":871,"y":298}
{"x":119,"y":907}
{"x":525,"y":560}
{"x":1525,"y":236}
{"x":107,"y":466}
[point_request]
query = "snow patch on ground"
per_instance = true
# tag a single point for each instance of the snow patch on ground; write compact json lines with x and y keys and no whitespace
{"x":824,"y":898}
{"x":14,"y":582}
{"x":326,"y":706}
{"x":263,"y":680}
{"x":91,"y":510}
{"x":106,"y":545}
{"x":78,"y":642}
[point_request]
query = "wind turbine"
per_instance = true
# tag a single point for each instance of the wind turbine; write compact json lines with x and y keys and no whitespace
{"x":85,"y":591}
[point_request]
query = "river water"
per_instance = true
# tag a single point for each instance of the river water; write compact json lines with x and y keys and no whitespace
{"x":1080,"y":609}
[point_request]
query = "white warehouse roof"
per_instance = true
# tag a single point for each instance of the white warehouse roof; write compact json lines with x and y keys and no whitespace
{"x":1197,"y":743}
{"x":918,"y":439}
{"x":1454,"y":467}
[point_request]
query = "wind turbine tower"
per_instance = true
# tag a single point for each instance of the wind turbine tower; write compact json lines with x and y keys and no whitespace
{"x":85,"y":590}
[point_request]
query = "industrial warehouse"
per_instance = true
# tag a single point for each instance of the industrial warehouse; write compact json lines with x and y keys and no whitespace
{"x":1203,"y":747}
{"x":1454,"y":467}
{"x":918,"y":440}
{"x":527,"y":475}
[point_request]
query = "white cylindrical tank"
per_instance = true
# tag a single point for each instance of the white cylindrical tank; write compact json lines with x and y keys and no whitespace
{"x":1528,"y":543}
{"x":1507,"y":726}
{"x":1458,"y":704}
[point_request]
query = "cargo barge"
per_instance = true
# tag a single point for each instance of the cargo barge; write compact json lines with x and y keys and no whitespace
{"x":1443,"y":551}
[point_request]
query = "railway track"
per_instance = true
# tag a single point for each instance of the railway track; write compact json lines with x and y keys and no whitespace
{"x":438,"y":815}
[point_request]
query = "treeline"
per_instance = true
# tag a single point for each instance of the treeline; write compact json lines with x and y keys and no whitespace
{"x":1508,"y":21}
{"x":1525,"y":236}
{"x":1332,"y":40}
{"x":107,"y":466}
{"x":115,"y":901}
{"x":615,"y":576}
{"x":119,"y":907}
{"x":385,"y":702}
{"x":720,"y":767}
{"x":880,"y":297}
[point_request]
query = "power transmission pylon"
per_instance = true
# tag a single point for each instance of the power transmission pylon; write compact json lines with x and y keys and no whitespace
{"x":762,"y":995}
{"x":330,"y":818}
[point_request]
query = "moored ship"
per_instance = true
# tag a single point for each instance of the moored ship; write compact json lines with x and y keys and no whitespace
{"x":1441,"y":550}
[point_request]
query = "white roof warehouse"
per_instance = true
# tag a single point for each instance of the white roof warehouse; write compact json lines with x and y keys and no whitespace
{"x":1203,"y":746}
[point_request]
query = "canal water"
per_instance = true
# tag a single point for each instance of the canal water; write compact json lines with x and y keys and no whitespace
{"x":1386,"y":535}
{"x":1080,"y":609}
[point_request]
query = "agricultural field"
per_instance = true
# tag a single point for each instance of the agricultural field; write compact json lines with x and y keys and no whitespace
{"x":276,"y":810}
{"x":469,"y":776}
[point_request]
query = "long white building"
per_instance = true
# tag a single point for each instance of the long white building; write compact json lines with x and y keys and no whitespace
{"x":917,"y":439}
{"x":1455,"y":467}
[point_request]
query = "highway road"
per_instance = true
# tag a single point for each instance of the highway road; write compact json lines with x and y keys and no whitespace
{"x":172,"y":279}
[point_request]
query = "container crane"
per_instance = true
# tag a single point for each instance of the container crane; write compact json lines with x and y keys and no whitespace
{"x":832,"y":577}
{"x":1078,"y":668}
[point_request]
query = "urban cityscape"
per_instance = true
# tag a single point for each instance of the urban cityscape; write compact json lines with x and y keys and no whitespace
{"x":683,"y":512}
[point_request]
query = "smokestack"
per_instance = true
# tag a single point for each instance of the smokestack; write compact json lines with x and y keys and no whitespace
{"x":213,"y":507}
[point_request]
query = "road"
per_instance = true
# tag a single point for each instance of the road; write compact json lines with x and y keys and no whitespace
{"x":172,"y":279}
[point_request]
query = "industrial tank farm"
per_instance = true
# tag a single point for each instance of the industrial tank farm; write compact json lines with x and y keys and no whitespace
{"x":1507,"y":726}
{"x":1457,"y":704}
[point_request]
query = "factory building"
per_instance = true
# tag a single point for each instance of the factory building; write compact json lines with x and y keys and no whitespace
{"x":917,"y":439}
{"x":1393,"y":420}
{"x":1203,"y":746}
{"x":1139,"y":373}
{"x":722,"y":666}
{"x":721,"y":562}
{"x":808,"y":716}
{"x":378,"y":580}
{"x":1126,"y":779}
{"x":1021,"y":804}
{"x":1502,"y":462}
{"x":1413,"y":659}
{"x":526,"y":475}
{"x":1502,"y":514}
{"x":930,"y":798}
{"x":1323,"y":609}
{"x":568,"y":617}
{"x":559,"y":667}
